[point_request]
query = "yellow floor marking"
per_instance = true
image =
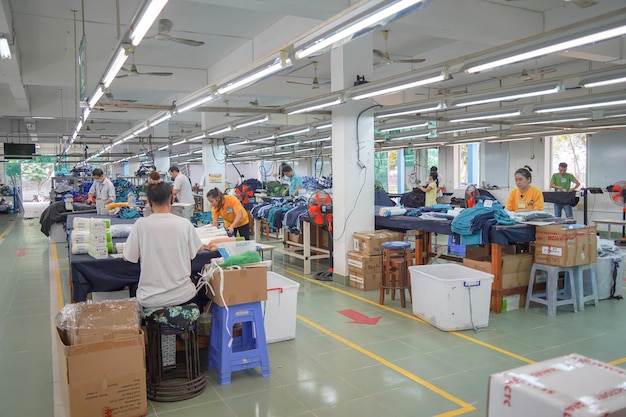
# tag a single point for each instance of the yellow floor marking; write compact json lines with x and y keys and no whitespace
{"x":466,"y":407}
{"x":6,"y":232}
{"x":58,"y":278}
{"x":617,"y":361}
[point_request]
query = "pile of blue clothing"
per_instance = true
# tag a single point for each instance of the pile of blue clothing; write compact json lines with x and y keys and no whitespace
{"x":472,"y":224}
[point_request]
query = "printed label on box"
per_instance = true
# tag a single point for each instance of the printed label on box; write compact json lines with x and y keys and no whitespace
{"x":355,"y":263}
{"x":551,"y":250}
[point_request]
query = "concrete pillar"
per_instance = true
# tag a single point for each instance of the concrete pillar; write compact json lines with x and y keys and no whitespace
{"x":353,"y":152}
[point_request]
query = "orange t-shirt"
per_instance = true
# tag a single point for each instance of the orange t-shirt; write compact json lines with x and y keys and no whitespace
{"x":231,"y":206}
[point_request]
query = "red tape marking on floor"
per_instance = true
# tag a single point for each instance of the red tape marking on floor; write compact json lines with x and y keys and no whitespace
{"x":21,"y":252}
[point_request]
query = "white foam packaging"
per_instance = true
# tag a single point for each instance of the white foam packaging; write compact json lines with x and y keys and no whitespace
{"x":99,"y":224}
{"x":79,"y":236}
{"x":81,"y":223}
{"x":567,"y":386}
{"x":98,"y":252}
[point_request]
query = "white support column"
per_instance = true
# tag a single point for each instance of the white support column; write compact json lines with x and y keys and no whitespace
{"x":214,"y":166}
{"x":353,"y":151}
{"x":161,"y":158}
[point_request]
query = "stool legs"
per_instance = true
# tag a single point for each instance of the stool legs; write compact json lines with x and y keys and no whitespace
{"x":579,"y":272}
{"x":394,"y":275}
{"x":552,"y":297}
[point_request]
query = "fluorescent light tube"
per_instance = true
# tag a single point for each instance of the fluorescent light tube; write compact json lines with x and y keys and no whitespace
{"x":323,"y":127}
{"x":486,"y":117}
{"x":412,"y":111}
{"x":547,"y":132}
{"x":119,"y":142}
{"x":114,"y":68}
{"x":140,"y":27}
{"x":276,"y":66}
{"x":141,"y":129}
{"x":541,"y":122}
{"x":79,"y":125}
{"x":605,"y":82}
{"x":474,"y":139}
{"x":217,"y":132}
{"x":93,"y":100}
{"x":160,"y":119}
{"x":467,"y":129}
{"x":400,"y":87}
{"x":413,"y":126}
{"x":180,"y":142}
{"x":405,"y":137}
{"x":251,"y":122}
{"x":509,"y":140}
{"x":162,"y":148}
{"x":508,"y":97}
{"x":194,"y":103}
{"x":561,"y":46}
{"x":312,"y":107}
{"x":263,"y":139}
{"x":294,"y":132}
{"x":198,"y":137}
{"x":316,"y":140}
{"x":582,"y":106}
{"x":5,"y":50}
{"x":128,"y":137}
{"x":358,"y":26}
{"x":242,"y":142}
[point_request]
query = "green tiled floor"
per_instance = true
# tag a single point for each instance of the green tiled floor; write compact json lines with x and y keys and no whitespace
{"x":401,"y":366}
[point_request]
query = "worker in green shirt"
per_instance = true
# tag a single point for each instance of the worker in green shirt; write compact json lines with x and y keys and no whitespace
{"x":562,"y":182}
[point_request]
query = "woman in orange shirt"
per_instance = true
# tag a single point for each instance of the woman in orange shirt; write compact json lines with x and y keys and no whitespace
{"x":525,"y":197}
{"x":229,"y":208}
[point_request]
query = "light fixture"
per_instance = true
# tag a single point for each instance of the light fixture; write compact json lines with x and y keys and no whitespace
{"x":599,"y":82}
{"x":119,"y":142}
{"x":509,"y":140}
{"x":459,"y":130}
{"x":128,"y":137}
{"x":294,"y":132}
{"x":93,"y":100}
{"x":472,"y":140}
{"x":543,"y":122}
{"x":415,"y":110}
{"x":594,"y":36}
{"x":399,"y":86}
{"x":79,"y":125}
{"x":263,"y":138}
{"x":486,"y":116}
{"x":323,"y":126}
{"x":159,"y":118}
{"x":197,"y":137}
{"x":180,"y":142}
{"x":250,"y":122}
{"x":515,"y":94}
{"x":402,"y":127}
{"x":588,"y":103}
{"x":5,"y":50}
{"x":364,"y":19}
{"x":195,"y":101}
{"x":86,"y":113}
{"x":221,"y":130}
{"x":315,"y":105}
{"x":164,"y":147}
{"x":316,"y":140}
{"x":141,"y":129}
{"x":546,"y":132}
{"x":114,"y":67}
{"x":423,"y":134}
{"x":142,"y":21}
{"x":279,"y":64}
{"x":427,"y":144}
{"x":241,"y":142}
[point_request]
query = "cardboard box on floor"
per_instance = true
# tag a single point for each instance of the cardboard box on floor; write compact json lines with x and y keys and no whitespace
{"x":562,"y":245}
{"x":369,"y":243}
{"x":515,"y":268}
{"x":240,"y":286}
{"x":111,"y":319}
{"x":359,"y":263}
{"x":568,"y":386}
{"x":365,"y":282}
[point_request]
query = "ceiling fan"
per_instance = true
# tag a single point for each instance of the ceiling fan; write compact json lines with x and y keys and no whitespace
{"x":384,"y":58}
{"x":108,"y":99}
{"x":532,"y":74}
{"x":315,"y":84}
{"x":163,"y":34}
{"x":132,"y":71}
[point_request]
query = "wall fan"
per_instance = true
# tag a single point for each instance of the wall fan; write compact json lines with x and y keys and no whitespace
{"x":133,"y":72}
{"x":320,"y":208}
{"x":245,"y":194}
{"x":384,"y":57}
{"x":617,"y":194}
{"x":163,"y":34}
{"x":315,"y":84}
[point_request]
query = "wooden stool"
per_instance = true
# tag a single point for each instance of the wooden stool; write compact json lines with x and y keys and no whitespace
{"x":172,"y":377}
{"x":395,"y":270}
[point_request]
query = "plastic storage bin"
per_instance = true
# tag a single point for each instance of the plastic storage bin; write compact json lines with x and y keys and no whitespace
{"x":451,"y":297}
{"x":280,"y":308}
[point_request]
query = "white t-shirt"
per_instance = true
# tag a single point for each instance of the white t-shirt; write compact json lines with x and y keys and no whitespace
{"x":182,"y":184}
{"x":165,"y":244}
{"x":104,"y":189}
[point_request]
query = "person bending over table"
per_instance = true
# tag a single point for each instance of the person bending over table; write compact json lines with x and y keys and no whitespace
{"x":164,"y":244}
{"x":102,"y":187}
{"x":229,"y":208}
{"x":525,"y":197}
{"x":295,"y":181}
{"x":432,"y":185}
{"x":562,"y":182}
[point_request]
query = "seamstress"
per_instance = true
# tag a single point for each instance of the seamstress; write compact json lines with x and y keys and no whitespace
{"x":525,"y":196}
{"x":102,"y":187}
{"x":562,"y":182}
{"x":229,"y":208}
{"x":432,"y":185}
{"x":164,"y":244}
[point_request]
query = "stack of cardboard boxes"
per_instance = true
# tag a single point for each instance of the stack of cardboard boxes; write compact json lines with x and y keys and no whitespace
{"x":366,"y":259}
{"x":101,"y":360}
{"x":565,"y":245}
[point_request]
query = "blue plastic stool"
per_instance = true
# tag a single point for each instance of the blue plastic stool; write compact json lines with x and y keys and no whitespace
{"x":228,"y":353}
{"x":395,"y":271}
{"x":553,"y":296}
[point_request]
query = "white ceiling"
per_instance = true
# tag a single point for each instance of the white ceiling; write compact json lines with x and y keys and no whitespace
{"x":39,"y":81}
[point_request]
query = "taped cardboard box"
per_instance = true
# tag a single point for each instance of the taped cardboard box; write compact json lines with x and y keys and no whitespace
{"x":105,"y":378}
{"x":100,"y":321}
{"x":240,"y":286}
{"x":515,"y":269}
{"x":369,"y":243}
{"x":565,"y":245}
{"x":568,"y":386}
{"x":364,"y":282}
{"x":359,"y":263}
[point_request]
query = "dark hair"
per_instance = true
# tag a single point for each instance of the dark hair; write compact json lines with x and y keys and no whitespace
{"x":286,"y":169}
{"x":563,"y":165}
{"x":434,"y":176}
{"x":433,"y":169}
{"x":525,"y":172}
{"x":154,"y":178}
{"x":159,"y":193}
{"x":216,"y":194}
{"x":173,"y":168}
{"x":97,"y":173}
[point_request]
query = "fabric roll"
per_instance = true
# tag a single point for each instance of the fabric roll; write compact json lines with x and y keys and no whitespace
{"x":80,"y":248}
{"x":391,"y":211}
{"x":79,"y":236}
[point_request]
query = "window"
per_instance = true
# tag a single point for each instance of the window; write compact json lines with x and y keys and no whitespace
{"x":466,"y":165}
{"x":571,"y":149}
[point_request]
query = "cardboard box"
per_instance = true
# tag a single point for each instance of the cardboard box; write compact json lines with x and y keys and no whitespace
{"x":361,"y":264}
{"x":96,"y":322}
{"x":369,"y":243}
{"x":240,"y":286}
{"x":105,"y":378}
{"x":565,"y":245}
{"x":568,"y":386}
{"x":515,"y":269}
{"x":365,"y":282}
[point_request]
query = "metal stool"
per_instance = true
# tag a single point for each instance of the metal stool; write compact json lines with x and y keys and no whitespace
{"x":172,"y":376}
{"x":552,"y":297}
{"x":395,"y":271}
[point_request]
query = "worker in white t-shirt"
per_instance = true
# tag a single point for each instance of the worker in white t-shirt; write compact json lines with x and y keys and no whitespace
{"x":164,"y":244}
{"x":182,"y":186}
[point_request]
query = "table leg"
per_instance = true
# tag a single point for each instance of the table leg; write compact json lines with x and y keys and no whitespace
{"x":496,"y":270}
{"x":419,"y":247}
